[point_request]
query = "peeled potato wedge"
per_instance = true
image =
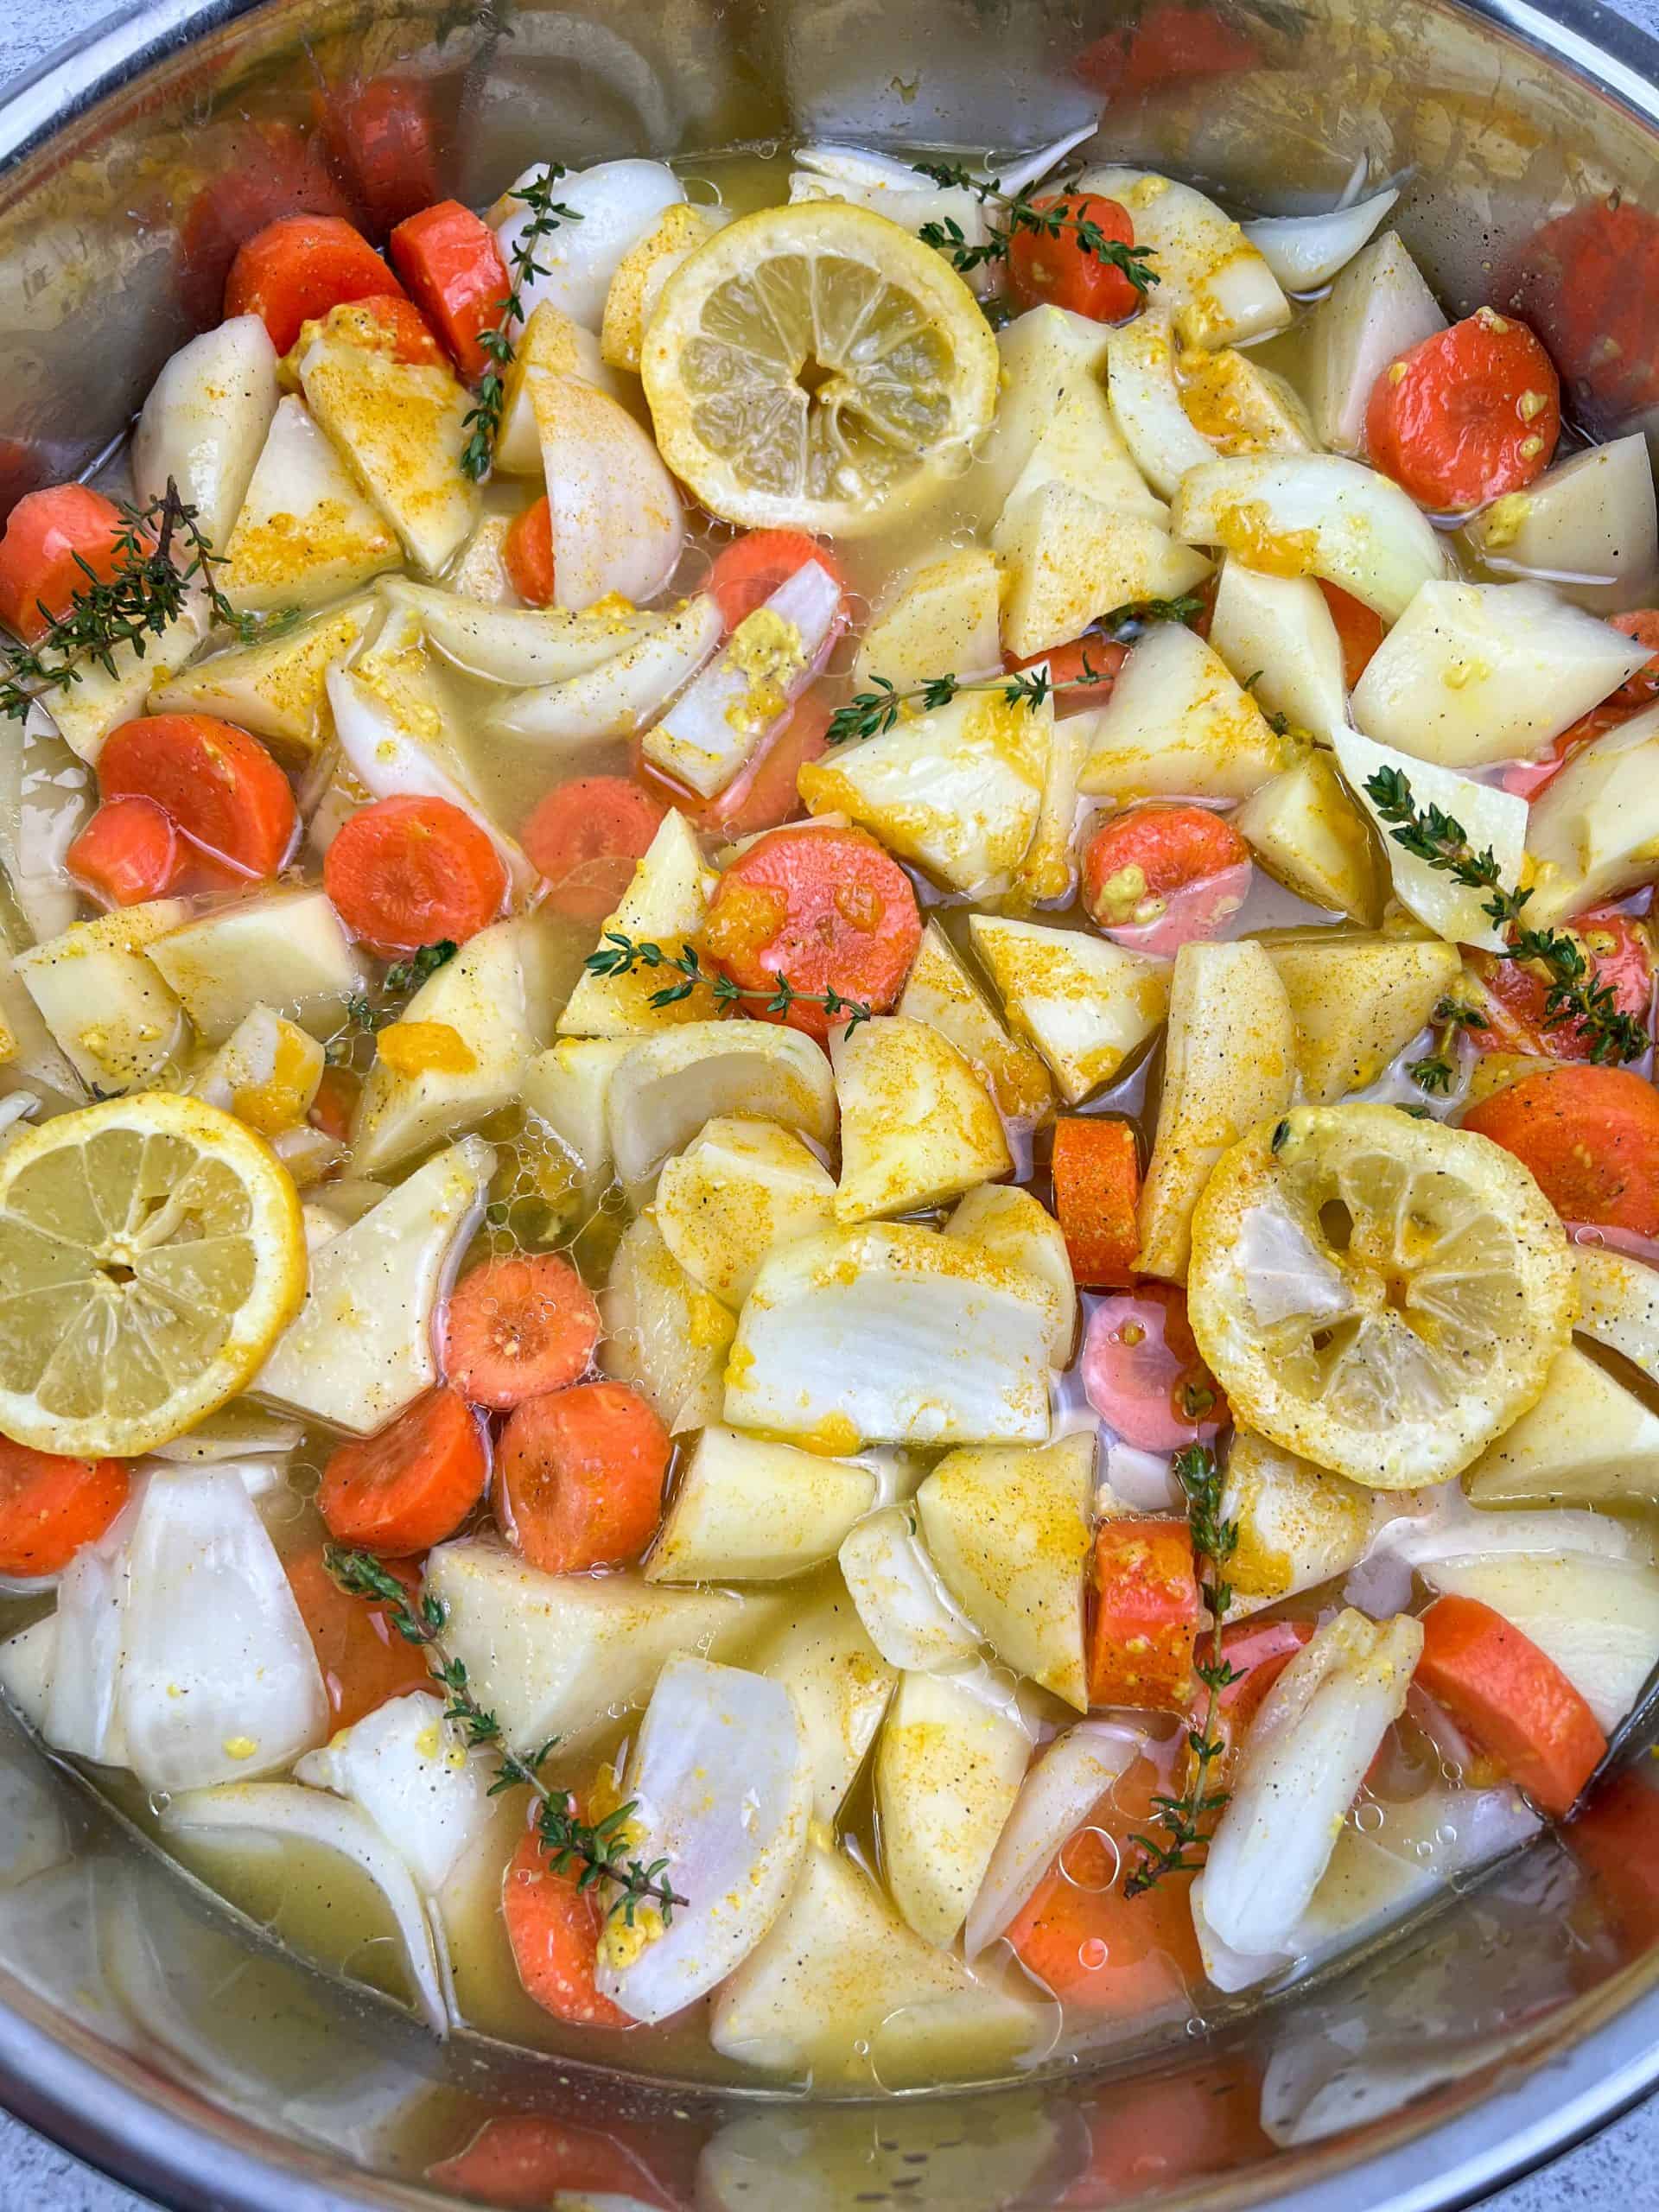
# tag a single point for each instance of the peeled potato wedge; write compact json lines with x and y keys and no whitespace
{"x":1298,"y":1525}
{"x":1357,"y":1001}
{"x":1178,"y":725}
{"x":948,"y":1769}
{"x":917,"y":1125}
{"x":750,"y":1510}
{"x":1085,"y":1003}
{"x":944,"y":615}
{"x":1308,"y":835}
{"x":1588,"y":1442}
{"x":1593,"y":832}
{"x":740,"y":1188}
{"x":941,"y":992}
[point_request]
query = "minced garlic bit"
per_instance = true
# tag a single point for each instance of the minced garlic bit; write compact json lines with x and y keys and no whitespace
{"x":621,"y":1944}
{"x":766,"y":649}
{"x":240,"y":1747}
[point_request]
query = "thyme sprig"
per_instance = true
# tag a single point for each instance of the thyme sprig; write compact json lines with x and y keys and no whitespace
{"x":403,"y":979}
{"x":159,"y":551}
{"x":1432,"y":1074}
{"x":594,"y":1851}
{"x":1187,"y":1822}
{"x":1021,"y":213}
{"x":1574,"y":996}
{"x":621,"y":954}
{"x":872,"y":714}
{"x":484,"y":419}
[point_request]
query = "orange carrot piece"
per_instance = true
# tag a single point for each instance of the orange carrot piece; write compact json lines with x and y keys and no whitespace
{"x":299,"y":267}
{"x":747,"y":571}
{"x":413,"y":1485}
{"x":1512,"y":1699}
{"x":527,"y":554}
{"x":409,"y":872}
{"x":128,"y":852}
{"x":1097,"y":1172}
{"x":554,"y":1929}
{"x":1059,"y":272}
{"x":1467,"y":414}
{"x":48,"y":536}
{"x":581,"y":1476}
{"x":363,"y":1660}
{"x":1589,"y":1135}
{"x":1146,"y":1614}
{"x":517,"y":1328}
{"x":51,"y":1506}
{"x":1359,"y":631}
{"x":1083,"y":673}
{"x":453,"y":267}
{"x":218,"y":785}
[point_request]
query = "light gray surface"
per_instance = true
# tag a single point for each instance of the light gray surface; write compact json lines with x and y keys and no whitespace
{"x":1612,"y":2173}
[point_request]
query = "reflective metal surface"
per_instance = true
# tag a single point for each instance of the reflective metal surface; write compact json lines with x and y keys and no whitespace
{"x":141,"y":2026}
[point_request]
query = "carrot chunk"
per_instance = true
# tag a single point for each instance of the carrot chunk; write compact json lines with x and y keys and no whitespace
{"x":527,"y":2161}
{"x":299,"y":267}
{"x":409,"y":872}
{"x":218,"y":785}
{"x":1083,"y":673}
{"x":1097,"y":1185}
{"x":1467,"y":414}
{"x":527,"y":554}
{"x":128,"y":852}
{"x":747,"y":571}
{"x":381,"y":134}
{"x":413,"y":1485}
{"x":1060,"y":271}
{"x":1591,"y":1137}
{"x":585,"y":838}
{"x":581,"y":1478}
{"x":1515,"y":993}
{"x":825,"y":908}
{"x":1161,"y":877}
{"x":51,"y":1506}
{"x":1146,"y":1614}
{"x":1359,"y":630}
{"x":554,"y":1929}
{"x":52,"y":538}
{"x":363,"y":1660}
{"x":1512,"y":1699}
{"x":453,"y":267}
{"x":1142,"y":1375}
{"x":515,"y":1328}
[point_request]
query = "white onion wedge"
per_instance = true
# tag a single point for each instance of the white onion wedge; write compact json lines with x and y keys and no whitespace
{"x":616,"y":516}
{"x":1379,"y":307}
{"x":1146,"y":403}
{"x":723,"y":1783}
{"x":408,"y":1769}
{"x":1305,"y":1758}
{"x":1455,"y":1529}
{"x":81,"y":1713}
{"x":286,"y":1813}
{"x":1305,"y":252}
{"x":617,"y":202}
{"x":620,"y":696}
{"x":1021,"y":171}
{"x":1216,"y":285}
{"x":892,"y":1334}
{"x":886,"y":187}
{"x":205,"y":423}
{"x":722,"y":719}
{"x":1494,"y":819}
{"x":45,"y":795}
{"x":520,"y":645}
{"x":908,"y":1614}
{"x":218,"y":1674}
{"x":1314,"y":514}
{"x":1059,"y":1793}
{"x":667,"y":1088}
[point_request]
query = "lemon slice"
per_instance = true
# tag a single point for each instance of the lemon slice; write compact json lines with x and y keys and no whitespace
{"x":818,"y":367}
{"x":150,"y":1254}
{"x":1382,"y":1294}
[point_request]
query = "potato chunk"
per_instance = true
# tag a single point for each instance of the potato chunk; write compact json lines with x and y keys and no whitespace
{"x":1069,"y":557}
{"x":917,"y":1125}
{"x":286,"y":950}
{"x":1491,"y":819}
{"x":1178,"y":725}
{"x":740,"y":1188}
{"x":941,"y":992}
{"x":948,"y":1769}
{"x":750,"y":1510}
{"x":1308,"y":833}
{"x":111,"y":1010}
{"x":1085,"y":1003}
{"x":305,"y":533}
{"x":1298,"y":1525}
{"x":1357,"y":1001}
{"x":945,"y":615}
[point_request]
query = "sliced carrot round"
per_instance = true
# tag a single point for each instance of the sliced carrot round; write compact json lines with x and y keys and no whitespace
{"x":1083,"y":673}
{"x":1060,"y":271}
{"x":554,"y":1929}
{"x":408,"y":872}
{"x":1467,"y":414}
{"x":527,"y":554}
{"x":1591,"y":1137}
{"x":828,"y":910}
{"x":298,"y":268}
{"x":581,"y":1478}
{"x":335,"y":1103}
{"x":216,"y":785}
{"x":747,"y":571}
{"x":362,"y":1659}
{"x":48,"y":536}
{"x":453,"y":267}
{"x":1161,"y":877}
{"x":413,"y":1485}
{"x":1359,"y":630}
{"x":1516,"y":993}
{"x":1096,"y":1171}
{"x":381,"y":133}
{"x":585,"y":838}
{"x":518,"y":1327}
{"x":1142,"y":1374}
{"x":50,"y":1506}
{"x":1147,"y":1612}
{"x":1512,"y":1699}
{"x":127,"y":853}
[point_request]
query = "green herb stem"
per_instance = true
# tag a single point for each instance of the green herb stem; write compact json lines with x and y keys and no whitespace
{"x":483,"y":421}
{"x":1021,"y":213}
{"x":621,"y":954}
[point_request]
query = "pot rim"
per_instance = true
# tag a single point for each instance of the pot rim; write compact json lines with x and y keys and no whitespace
{"x":160,"y":2138}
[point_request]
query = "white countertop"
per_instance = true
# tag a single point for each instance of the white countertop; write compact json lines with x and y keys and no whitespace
{"x":1613,"y":2173}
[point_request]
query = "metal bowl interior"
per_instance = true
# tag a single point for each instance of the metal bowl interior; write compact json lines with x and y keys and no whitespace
{"x":182,"y":2050}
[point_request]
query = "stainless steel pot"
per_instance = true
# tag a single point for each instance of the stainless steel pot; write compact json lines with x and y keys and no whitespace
{"x":138,"y":2023}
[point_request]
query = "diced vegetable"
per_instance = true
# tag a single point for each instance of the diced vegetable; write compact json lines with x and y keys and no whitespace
{"x":490,"y":998}
{"x":941,"y":992}
{"x":1147,"y":1614}
{"x":406,"y":1767}
{"x":1306,"y":251}
{"x":739,"y":1855}
{"x":360,"y":1349}
{"x":1305,"y":1758}
{"x":107,"y":1005}
{"x":666,"y":1088}
{"x":1298,"y":1526}
{"x":893,"y":1333}
{"x":1587,"y":526}
{"x":297,"y":269}
{"x":1084,"y":1003}
{"x":1592,"y":832}
{"x":1378,"y":307}
{"x":948,"y":1769}
{"x":218,"y":785}
{"x":741,"y":1187}
{"x":1146,"y":402}
{"x":128,"y":853}
{"x":287,"y":951}
{"x":1314,"y":515}
{"x":1474,"y":673}
{"x":617,"y":204}
{"x":1097,"y":1172}
{"x":666,"y":904}
{"x":615,"y":516}
{"x":51,"y":1506}
{"x":1212,"y":281}
{"x":1588,"y":1442}
{"x":917,"y":1125}
{"x":46,"y":794}
{"x":102,"y":697}
{"x":1008,"y":1531}
{"x":275,"y":688}
{"x":1276,"y":635}
{"x":304,"y":533}
{"x":553,"y":1928}
{"x":956,"y":790}
{"x":1176,"y":724}
{"x":1468,"y":415}
{"x":1230,"y":1062}
{"x":1061,"y":270}
{"x":1157,"y":877}
{"x":1065,"y":1782}
{"x":946,"y":614}
{"x":1588,"y":1135}
{"x":205,"y":420}
{"x":1041,"y":355}
{"x":455,"y":274}
{"x":587,"y":837}
{"x":1514,"y":1700}
{"x":1069,"y":555}
{"x":517,"y":1328}
{"x":48,"y":537}
{"x":401,"y":425}
{"x":1357,"y":1001}
{"x":550,"y":1654}
{"x":266,"y":1073}
{"x":1492,"y":820}
{"x":363,"y":1659}
{"x":753,"y":568}
{"x":662,"y":1333}
{"x":900,"y":1598}
{"x":1618,"y":1302}
{"x":746,"y":1509}
{"x":1307,"y":833}
{"x":1013,"y":1227}
{"x":409,"y":872}
{"x":1242,"y":408}
{"x":1078,"y":444}
{"x":840,"y":1684}
{"x":581,"y":1475}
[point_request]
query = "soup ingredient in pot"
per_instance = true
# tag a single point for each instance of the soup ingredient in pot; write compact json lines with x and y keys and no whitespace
{"x":411,"y":1485}
{"x":581,"y":1475}
{"x":517,"y":1328}
{"x":49,"y":1507}
{"x":297,"y":268}
{"x":1468,"y":415}
{"x":409,"y":872}
{"x":1591,"y":1137}
{"x":1512,"y":1698}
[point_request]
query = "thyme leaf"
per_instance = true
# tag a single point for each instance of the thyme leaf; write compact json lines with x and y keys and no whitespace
{"x":594,"y":1851}
{"x":497,"y":341}
{"x":1021,"y":213}
{"x":621,"y":954}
